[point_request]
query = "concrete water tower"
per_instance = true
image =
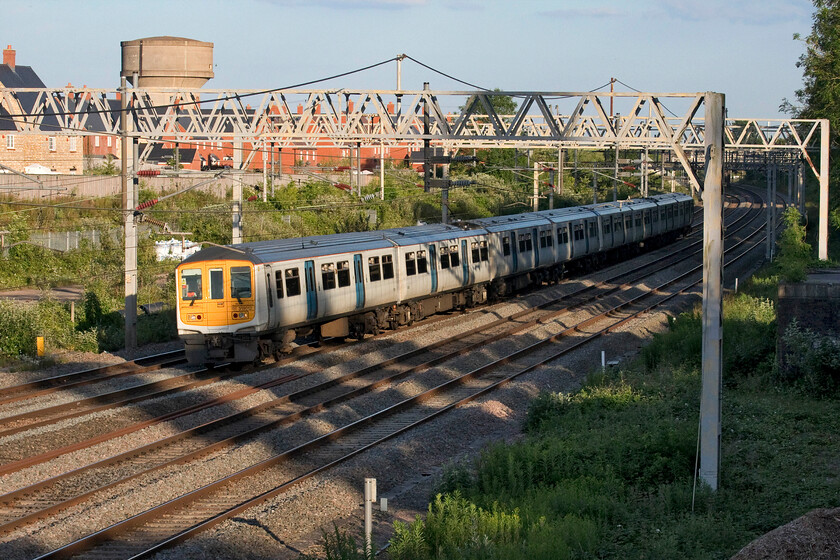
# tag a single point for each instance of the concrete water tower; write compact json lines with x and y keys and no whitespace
{"x":167,"y":62}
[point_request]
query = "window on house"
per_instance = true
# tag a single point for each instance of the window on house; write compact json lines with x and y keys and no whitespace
{"x":96,"y":141}
{"x":51,"y":143}
{"x":72,"y":143}
{"x":108,"y":141}
{"x":10,"y":141}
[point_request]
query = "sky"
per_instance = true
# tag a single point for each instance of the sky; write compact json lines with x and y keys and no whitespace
{"x":742,"y":48}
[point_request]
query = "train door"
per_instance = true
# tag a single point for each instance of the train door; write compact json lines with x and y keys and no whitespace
{"x":535,"y":236}
{"x":513,"y":249}
{"x":217,"y":311}
{"x":465,"y":264}
{"x":269,"y":294}
{"x":360,"y":281}
{"x":433,"y":267}
{"x":311,"y":294}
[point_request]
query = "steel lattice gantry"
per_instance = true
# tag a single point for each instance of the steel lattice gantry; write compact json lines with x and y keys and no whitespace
{"x":457,"y":119}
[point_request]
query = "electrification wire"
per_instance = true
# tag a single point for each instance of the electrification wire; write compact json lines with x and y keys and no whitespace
{"x":199,"y":102}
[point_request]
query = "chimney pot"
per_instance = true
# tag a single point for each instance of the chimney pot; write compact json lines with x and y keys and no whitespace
{"x":9,"y":57}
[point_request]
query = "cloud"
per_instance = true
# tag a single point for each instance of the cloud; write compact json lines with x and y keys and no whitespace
{"x":579,"y":13}
{"x":748,"y":12}
{"x":352,"y":4}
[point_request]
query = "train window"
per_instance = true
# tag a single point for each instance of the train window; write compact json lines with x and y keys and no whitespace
{"x":387,"y":267}
{"x":454,"y":259}
{"x":638,"y":221}
{"x":655,"y":216}
{"x":410,"y":264}
{"x":278,"y":283}
{"x":422,"y":265}
{"x":562,"y":236}
{"x":240,"y":281}
{"x":543,"y":242}
{"x":647,"y":218}
{"x":328,"y":276}
{"x":191,"y":284}
{"x":618,"y":225}
{"x":505,"y":246}
{"x":343,"y":274}
{"x":628,"y":223}
{"x":374,"y":271}
{"x":485,"y":254}
{"x":217,"y":283}
{"x":607,"y":228}
{"x":593,"y":228}
{"x":292,"y":282}
{"x":579,"y":235}
{"x":476,"y":254}
{"x":444,"y":256}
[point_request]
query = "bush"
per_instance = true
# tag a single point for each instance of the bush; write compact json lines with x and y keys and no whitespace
{"x":811,"y":362}
{"x":794,"y":253}
{"x":20,"y":325}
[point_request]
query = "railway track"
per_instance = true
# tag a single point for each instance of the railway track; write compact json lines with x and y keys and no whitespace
{"x":399,"y":416}
{"x":16,"y":463}
{"x":179,"y":518}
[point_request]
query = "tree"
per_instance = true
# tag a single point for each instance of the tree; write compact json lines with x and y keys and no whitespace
{"x":819,"y":97}
{"x":502,"y":104}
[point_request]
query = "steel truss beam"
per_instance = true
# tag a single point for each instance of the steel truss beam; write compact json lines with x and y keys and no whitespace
{"x":318,"y":118}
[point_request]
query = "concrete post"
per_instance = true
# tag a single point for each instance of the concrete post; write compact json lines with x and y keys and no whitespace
{"x":768,"y":252}
{"x":560,"y":171}
{"x":265,"y":172}
{"x":615,"y":180}
{"x":536,"y":203}
{"x":712,"y":292}
{"x":382,"y":170}
{"x":236,"y":236}
{"x":822,"y":251}
{"x":370,"y":497}
{"x":129,"y":200}
{"x":551,"y":176}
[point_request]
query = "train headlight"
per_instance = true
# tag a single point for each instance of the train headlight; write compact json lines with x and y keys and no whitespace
{"x":194,"y":317}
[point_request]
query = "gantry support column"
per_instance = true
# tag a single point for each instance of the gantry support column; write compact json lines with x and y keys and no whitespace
{"x":822,"y":251}
{"x":129,"y":203}
{"x":712,"y":292}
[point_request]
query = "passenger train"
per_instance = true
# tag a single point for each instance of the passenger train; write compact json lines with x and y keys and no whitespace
{"x":244,"y":302}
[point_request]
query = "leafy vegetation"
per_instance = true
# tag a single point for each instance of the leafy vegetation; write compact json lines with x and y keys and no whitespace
{"x":606,"y":472}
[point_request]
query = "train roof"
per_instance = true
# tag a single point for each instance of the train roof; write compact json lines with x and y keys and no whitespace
{"x":321,"y":245}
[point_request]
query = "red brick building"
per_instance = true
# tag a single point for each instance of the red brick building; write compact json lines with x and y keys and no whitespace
{"x":54,"y":151}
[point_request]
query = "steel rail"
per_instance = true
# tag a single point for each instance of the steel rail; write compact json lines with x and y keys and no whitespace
{"x":194,"y":520}
{"x":29,"y":461}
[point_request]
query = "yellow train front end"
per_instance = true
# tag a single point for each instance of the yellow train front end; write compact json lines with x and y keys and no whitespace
{"x":217,"y":310}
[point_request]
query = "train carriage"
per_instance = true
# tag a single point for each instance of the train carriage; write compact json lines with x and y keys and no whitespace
{"x":242,"y":302}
